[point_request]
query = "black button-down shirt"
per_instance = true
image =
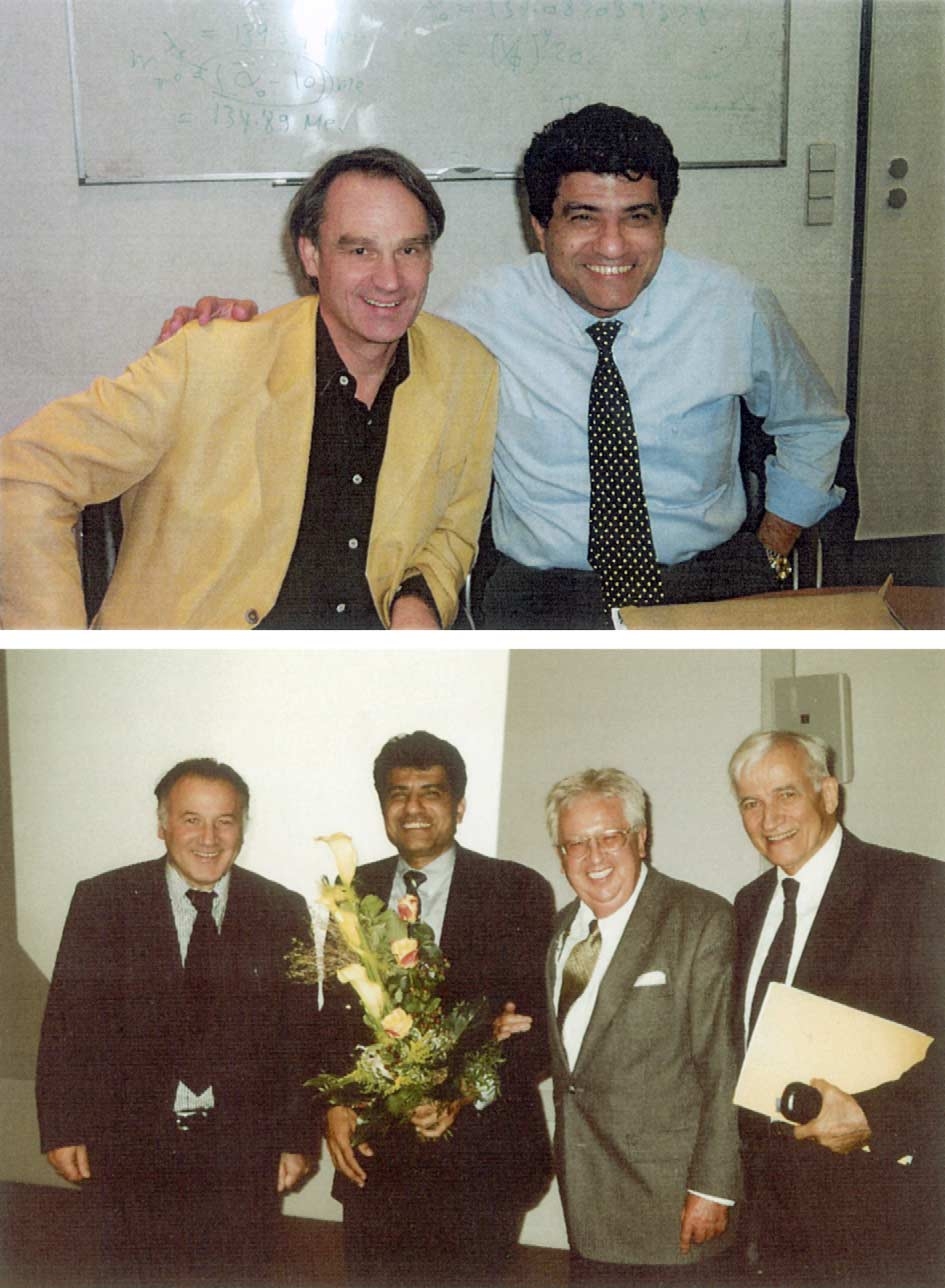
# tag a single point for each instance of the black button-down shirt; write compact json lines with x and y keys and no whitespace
{"x":325,"y":587}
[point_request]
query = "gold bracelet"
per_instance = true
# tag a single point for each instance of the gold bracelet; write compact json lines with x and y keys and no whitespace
{"x":780,"y":564}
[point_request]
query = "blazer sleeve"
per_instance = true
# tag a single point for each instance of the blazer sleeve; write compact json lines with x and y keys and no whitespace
{"x":714,"y":1165}
{"x":77,"y":451}
{"x":906,"y":1116}
{"x":72,"y":1045}
{"x":527,"y":1058}
{"x":300,"y":1039}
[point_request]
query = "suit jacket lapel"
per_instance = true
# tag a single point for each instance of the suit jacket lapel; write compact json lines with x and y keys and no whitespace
{"x":377,"y":878}
{"x":150,"y":924}
{"x":750,"y":920}
{"x":837,"y":925}
{"x":413,"y":437}
{"x":463,"y":907}
{"x":633,"y":956}
{"x":552,"y":966}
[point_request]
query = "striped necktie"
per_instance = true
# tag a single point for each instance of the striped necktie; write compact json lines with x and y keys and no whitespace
{"x":578,"y":970}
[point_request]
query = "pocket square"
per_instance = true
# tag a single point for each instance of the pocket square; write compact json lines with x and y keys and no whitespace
{"x":649,"y":978}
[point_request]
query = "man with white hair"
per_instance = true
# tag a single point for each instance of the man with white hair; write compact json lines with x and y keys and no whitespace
{"x":855,"y":1195}
{"x":642,"y":1053}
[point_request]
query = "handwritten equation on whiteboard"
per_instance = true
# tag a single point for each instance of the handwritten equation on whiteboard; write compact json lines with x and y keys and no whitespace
{"x":209,"y":88}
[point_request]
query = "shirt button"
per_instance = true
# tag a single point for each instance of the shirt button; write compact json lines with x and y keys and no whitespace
{"x":343,"y":381}
{"x":356,"y":478}
{"x":252,"y":617}
{"x":352,"y":543}
{"x":340,"y":608}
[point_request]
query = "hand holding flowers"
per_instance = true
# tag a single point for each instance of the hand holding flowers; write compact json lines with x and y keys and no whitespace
{"x":423,"y":1062}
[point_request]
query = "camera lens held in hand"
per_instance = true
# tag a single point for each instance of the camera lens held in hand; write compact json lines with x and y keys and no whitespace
{"x":799,"y":1102}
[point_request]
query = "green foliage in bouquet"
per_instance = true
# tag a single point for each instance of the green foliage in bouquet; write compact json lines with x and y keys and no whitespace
{"x":419,"y":1050}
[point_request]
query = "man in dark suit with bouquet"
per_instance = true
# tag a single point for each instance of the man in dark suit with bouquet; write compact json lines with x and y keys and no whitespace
{"x":440,"y":1200}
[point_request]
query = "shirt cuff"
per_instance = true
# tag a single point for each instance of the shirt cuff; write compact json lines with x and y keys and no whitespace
{"x":798,"y":502}
{"x":712,"y":1198}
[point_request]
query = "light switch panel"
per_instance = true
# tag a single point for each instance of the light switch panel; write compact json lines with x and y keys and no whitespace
{"x":821,"y":705}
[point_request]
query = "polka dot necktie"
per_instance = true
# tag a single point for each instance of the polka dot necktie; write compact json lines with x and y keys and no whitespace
{"x":620,"y":543}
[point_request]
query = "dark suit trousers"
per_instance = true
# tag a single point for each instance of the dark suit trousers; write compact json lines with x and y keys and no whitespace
{"x":185,"y":1209}
{"x":521,"y":598}
{"x":408,"y":1229}
{"x":815,"y":1218}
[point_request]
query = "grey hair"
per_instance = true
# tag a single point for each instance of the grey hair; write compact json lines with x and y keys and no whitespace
{"x":757,"y":745}
{"x":214,"y":771}
{"x":598,"y":782}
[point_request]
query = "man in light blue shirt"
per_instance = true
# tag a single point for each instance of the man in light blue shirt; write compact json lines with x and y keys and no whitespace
{"x":694,"y":338}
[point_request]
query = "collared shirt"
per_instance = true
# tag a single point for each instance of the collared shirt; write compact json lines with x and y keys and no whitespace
{"x":812,"y":878}
{"x":611,"y":930}
{"x":579,"y":1016}
{"x":696,"y":339}
{"x":434,"y":892}
{"x":325,"y":587}
{"x":185,"y":914}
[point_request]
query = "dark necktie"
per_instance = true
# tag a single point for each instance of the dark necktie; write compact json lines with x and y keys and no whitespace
{"x":620,"y":542}
{"x":200,"y":993}
{"x":776,"y":963}
{"x":578,"y":970}
{"x":413,"y":881}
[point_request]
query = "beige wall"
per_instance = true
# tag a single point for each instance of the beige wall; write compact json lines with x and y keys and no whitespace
{"x":95,"y":270}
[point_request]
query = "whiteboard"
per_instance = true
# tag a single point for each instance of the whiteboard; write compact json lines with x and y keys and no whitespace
{"x":225,"y":89}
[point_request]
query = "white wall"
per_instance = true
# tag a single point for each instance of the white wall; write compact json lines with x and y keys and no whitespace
{"x":91,"y":733}
{"x":90,"y":273}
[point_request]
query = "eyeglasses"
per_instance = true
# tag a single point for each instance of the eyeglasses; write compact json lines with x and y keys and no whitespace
{"x":578,"y":850}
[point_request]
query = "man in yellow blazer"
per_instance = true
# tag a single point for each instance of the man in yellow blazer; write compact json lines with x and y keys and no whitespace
{"x":246,"y":496}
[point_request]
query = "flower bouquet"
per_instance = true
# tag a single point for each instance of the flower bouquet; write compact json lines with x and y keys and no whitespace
{"x":419,"y":1051}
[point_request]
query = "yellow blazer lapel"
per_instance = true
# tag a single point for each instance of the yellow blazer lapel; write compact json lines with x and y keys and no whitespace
{"x":414,"y":438}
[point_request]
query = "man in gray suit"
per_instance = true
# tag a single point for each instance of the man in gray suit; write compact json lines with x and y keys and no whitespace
{"x":642,"y":1051}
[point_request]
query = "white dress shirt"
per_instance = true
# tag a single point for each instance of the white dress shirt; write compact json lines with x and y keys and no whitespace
{"x":812,"y":878}
{"x":434,"y":893}
{"x":611,"y":931}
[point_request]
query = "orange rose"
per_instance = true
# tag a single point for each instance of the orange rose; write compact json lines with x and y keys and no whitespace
{"x":408,"y":907}
{"x":406,"y":951}
{"x":397,"y":1023}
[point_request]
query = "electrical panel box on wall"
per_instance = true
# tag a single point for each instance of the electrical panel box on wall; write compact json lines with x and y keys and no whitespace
{"x":821,"y":705}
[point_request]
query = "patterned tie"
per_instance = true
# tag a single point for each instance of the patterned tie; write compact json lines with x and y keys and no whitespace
{"x":413,"y":881}
{"x":199,"y":996}
{"x":620,"y":543}
{"x":774,"y":970}
{"x":578,"y":970}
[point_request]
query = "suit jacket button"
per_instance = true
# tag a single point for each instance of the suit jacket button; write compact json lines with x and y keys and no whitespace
{"x":252,"y":617}
{"x":572,"y":1089}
